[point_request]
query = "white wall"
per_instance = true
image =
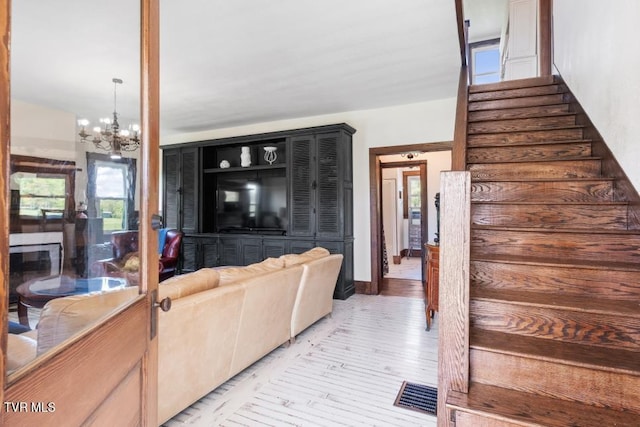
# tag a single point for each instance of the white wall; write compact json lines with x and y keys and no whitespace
{"x":596,"y":52}
{"x":401,"y":125}
{"x":42,"y":132}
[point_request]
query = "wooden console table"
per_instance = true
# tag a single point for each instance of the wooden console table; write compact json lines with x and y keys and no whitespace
{"x":431,"y":288}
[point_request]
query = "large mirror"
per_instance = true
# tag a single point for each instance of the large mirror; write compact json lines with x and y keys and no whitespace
{"x":74,"y":174}
{"x":488,"y":34}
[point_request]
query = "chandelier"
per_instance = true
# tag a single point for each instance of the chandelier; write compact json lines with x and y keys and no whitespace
{"x":109,"y":137}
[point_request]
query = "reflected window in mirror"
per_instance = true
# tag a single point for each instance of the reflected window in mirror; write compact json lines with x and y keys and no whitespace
{"x":111,"y":188}
{"x":485,"y":61}
{"x":41,"y":193}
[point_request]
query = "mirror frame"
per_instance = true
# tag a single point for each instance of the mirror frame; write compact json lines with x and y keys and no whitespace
{"x":149,"y":113}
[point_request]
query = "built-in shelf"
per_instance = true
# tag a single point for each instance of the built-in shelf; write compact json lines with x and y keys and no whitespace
{"x":240,"y":168}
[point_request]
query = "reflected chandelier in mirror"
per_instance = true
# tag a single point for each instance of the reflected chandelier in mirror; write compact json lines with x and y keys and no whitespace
{"x":110,"y":137}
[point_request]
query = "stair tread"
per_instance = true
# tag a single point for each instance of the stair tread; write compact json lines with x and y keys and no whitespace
{"x":529,"y":101}
{"x":531,"y":143}
{"x":541,"y":116}
{"x":566,"y":353}
{"x":555,"y":262}
{"x":587,"y":304}
{"x":597,"y":203}
{"x":599,"y":179}
{"x":535,"y":111}
{"x":515,"y":93}
{"x":549,"y":129}
{"x":514,"y":84}
{"x":562,"y":231}
{"x":542,"y":160}
{"x":535,"y":410}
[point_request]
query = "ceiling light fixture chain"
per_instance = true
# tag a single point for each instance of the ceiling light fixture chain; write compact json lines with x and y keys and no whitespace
{"x":109,"y":136}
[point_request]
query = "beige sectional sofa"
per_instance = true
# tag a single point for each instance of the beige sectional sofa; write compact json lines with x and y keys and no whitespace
{"x":213,"y":332}
{"x":221,"y":320}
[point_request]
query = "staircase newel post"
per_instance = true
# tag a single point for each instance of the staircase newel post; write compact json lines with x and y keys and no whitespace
{"x":453,"y":322}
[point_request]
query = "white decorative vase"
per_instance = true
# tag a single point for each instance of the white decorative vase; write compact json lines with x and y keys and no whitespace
{"x":245,"y":157}
{"x":270,"y":154}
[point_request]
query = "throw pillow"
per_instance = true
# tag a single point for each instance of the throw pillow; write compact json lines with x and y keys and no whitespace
{"x":131,"y":262}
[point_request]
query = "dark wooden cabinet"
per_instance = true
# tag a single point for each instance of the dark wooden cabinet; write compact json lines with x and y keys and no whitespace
{"x":181,"y":183}
{"x":321,"y":197}
{"x":237,"y":215}
{"x":432,"y":286}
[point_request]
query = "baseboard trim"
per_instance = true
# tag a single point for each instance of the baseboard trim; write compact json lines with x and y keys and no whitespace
{"x":362,"y":287}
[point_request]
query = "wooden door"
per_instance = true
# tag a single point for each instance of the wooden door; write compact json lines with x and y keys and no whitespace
{"x":108,"y":375}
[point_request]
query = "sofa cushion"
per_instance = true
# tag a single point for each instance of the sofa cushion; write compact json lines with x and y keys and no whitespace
{"x":21,"y":350}
{"x":233,"y":274}
{"x":187,"y":284}
{"x":310,"y":255}
{"x":62,"y":318}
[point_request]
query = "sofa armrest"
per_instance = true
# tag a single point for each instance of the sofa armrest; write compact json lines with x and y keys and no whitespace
{"x":315,"y":294}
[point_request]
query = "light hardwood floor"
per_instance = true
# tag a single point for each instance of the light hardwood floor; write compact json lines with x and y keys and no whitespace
{"x":345,"y":370}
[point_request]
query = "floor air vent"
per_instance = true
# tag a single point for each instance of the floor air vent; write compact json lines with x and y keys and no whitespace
{"x":418,"y":397}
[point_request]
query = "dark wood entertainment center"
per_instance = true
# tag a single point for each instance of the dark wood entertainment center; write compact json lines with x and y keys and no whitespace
{"x":238,"y":215}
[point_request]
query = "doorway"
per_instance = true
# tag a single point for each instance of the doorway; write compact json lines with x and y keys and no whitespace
{"x":416,"y":162}
{"x":404,"y":223}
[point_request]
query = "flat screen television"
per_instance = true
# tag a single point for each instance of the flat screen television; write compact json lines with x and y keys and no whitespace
{"x":252,"y":202}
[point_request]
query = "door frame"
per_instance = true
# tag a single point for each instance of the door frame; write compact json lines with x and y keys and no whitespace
{"x":375,"y":200}
{"x":118,"y":357}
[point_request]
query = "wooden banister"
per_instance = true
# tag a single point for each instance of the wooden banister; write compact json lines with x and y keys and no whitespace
{"x":453,"y":322}
{"x":459,"y":150}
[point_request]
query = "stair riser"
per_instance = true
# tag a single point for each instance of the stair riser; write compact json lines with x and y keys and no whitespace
{"x":491,"y":139}
{"x":517,"y":93}
{"x":574,"y":281}
{"x":530,"y":152}
{"x":516,"y":125}
{"x":556,"y":380}
{"x":557,"y":245}
{"x":536,"y":170}
{"x":612,"y":217}
{"x":517,"y":113}
{"x":533,"y":101}
{"x":586,"y":328}
{"x":543,"y":191}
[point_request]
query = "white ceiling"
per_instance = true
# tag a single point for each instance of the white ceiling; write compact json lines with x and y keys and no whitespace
{"x":234,"y":62}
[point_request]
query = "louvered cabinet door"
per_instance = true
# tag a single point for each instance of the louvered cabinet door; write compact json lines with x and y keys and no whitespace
{"x":189,"y":190}
{"x":230,"y":251}
{"x":302,"y":198}
{"x":180,"y":171}
{"x":209,"y":253}
{"x":329,"y":191}
{"x":189,"y":261}
{"x":171,"y":178}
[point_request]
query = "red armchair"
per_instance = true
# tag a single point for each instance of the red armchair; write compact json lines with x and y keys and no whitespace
{"x":125,"y":262}
{"x":170,"y":254}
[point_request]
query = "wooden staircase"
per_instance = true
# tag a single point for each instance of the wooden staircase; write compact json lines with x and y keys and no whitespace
{"x":554,"y":269}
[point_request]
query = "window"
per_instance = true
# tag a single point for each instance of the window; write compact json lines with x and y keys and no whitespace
{"x":411,"y":185}
{"x":485,"y":61}
{"x":40,"y":194}
{"x":41,"y":190}
{"x":110,"y":192}
{"x":111,"y":195}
